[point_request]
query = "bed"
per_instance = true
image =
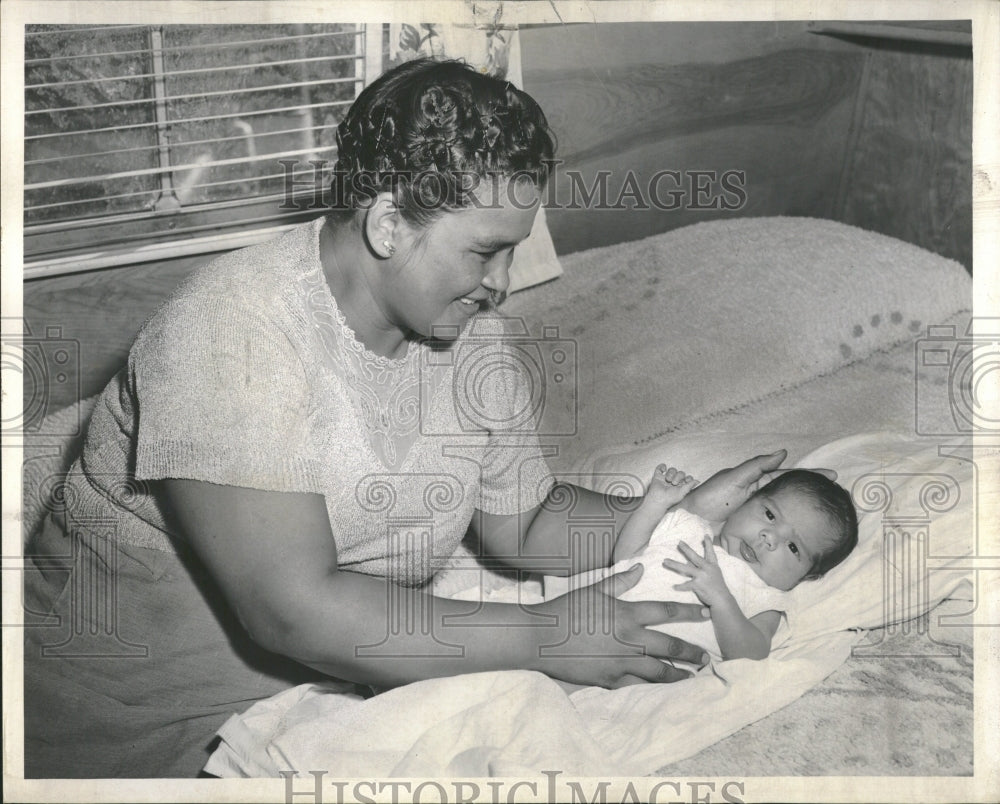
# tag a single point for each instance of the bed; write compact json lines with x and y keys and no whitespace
{"x":700,"y":347}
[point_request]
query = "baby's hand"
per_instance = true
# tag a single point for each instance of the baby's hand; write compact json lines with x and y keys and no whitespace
{"x":667,"y":487}
{"x":706,"y":577}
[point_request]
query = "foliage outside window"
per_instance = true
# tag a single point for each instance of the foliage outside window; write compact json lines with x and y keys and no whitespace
{"x":136,"y":135}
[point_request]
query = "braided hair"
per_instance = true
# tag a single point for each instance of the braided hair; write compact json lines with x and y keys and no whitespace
{"x":428,"y":131}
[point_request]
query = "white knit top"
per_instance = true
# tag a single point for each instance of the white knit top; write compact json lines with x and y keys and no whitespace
{"x":249,"y":376}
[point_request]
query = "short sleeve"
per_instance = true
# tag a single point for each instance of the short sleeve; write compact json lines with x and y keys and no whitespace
{"x":756,"y":599}
{"x":515,"y":475}
{"x":221,"y":397}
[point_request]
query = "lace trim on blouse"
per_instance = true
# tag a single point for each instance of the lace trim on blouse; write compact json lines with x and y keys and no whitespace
{"x":385,"y":392}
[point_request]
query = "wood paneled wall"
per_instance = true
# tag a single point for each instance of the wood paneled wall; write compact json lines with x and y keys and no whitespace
{"x":909,"y":172}
{"x":869,"y":132}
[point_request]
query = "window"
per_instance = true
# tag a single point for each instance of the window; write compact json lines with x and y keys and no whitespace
{"x":143,"y":142}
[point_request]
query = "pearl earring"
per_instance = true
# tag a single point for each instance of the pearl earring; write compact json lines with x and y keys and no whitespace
{"x":390,"y":249}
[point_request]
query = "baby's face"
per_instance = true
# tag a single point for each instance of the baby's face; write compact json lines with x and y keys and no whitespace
{"x":778,"y":535}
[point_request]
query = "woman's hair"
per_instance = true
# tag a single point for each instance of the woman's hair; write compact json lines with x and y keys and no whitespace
{"x":832,"y":500}
{"x":428,"y":131}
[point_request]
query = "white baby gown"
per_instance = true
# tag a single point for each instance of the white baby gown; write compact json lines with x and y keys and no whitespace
{"x":657,"y":582}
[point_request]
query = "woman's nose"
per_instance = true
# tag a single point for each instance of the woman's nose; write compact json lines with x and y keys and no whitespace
{"x":497,"y":278}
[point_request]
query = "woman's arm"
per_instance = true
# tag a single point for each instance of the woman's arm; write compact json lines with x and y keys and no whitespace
{"x":274,"y":556}
{"x":572,"y":531}
{"x":635,"y":533}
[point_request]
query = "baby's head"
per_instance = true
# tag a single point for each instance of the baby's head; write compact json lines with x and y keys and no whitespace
{"x":797,"y":527}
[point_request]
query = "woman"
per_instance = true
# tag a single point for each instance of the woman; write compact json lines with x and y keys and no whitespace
{"x":283,"y":464}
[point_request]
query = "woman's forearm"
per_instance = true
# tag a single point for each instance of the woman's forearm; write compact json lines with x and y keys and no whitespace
{"x":575,"y":530}
{"x":368,"y":630}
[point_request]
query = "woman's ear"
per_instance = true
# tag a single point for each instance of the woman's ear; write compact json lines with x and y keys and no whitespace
{"x":381,"y":223}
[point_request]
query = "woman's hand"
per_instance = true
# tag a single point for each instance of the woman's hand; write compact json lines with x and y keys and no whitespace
{"x":596,"y":639}
{"x":725,"y":491}
{"x":706,"y":579}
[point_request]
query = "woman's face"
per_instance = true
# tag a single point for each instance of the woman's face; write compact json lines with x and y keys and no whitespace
{"x":445,"y":271}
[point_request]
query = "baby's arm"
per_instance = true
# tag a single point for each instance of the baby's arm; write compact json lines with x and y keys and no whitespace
{"x":666,"y":488}
{"x":739,"y":637}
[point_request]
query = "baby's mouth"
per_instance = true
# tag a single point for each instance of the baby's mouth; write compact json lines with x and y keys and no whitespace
{"x":747,"y":552}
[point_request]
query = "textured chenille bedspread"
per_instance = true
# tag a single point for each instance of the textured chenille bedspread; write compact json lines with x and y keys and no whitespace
{"x":699,"y":348}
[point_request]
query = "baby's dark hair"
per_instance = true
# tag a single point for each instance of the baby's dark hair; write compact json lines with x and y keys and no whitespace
{"x":428,"y":131}
{"x":832,"y":500}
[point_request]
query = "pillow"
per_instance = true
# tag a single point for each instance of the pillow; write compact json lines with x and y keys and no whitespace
{"x":916,"y":530}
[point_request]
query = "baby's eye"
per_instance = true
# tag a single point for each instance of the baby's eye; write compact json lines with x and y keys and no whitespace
{"x":768,"y":514}
{"x":794,"y":548}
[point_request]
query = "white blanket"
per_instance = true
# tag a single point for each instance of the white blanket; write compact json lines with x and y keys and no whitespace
{"x":518,"y":723}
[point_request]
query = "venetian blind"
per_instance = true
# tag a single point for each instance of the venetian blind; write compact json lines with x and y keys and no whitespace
{"x":148,"y":141}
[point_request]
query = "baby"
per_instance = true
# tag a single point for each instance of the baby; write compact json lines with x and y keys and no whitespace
{"x":797,"y":527}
